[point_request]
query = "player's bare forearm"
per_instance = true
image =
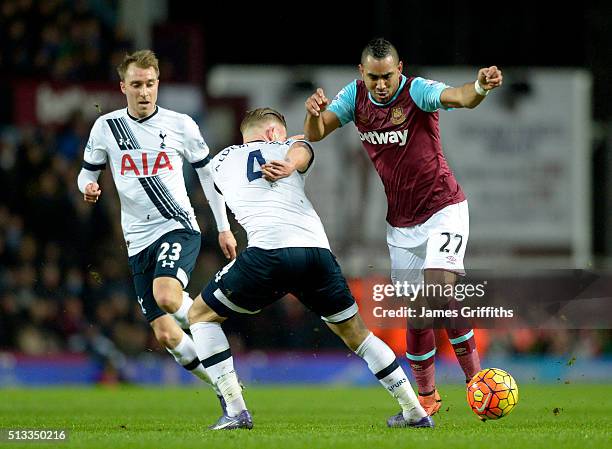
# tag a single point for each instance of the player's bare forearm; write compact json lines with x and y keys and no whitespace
{"x":297,"y":158}
{"x":299,"y":155}
{"x":472,"y":94}
{"x":319,"y":122}
{"x":314,"y":128}
{"x":318,"y":127}
{"x":461,"y":97}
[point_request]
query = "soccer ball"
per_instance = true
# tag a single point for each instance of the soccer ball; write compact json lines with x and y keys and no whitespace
{"x":492,"y":393}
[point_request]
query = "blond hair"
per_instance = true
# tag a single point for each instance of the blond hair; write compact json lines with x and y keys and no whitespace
{"x":142,"y":58}
{"x":260,"y":115}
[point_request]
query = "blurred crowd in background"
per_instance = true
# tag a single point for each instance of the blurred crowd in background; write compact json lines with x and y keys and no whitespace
{"x":60,"y":39}
{"x":65,"y":285}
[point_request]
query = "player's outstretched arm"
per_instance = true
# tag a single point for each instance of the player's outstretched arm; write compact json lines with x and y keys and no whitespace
{"x":298,"y":158}
{"x":319,"y":122}
{"x":472,"y":94}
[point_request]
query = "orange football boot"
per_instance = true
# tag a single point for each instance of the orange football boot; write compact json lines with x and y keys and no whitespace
{"x":431,"y":402}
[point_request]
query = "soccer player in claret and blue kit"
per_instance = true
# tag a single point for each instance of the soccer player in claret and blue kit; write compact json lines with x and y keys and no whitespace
{"x":427,"y":218}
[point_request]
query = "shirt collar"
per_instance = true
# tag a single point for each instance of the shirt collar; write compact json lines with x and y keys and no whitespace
{"x":144,"y":119}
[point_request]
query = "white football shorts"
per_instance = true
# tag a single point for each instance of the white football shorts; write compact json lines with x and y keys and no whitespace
{"x":438,"y":243}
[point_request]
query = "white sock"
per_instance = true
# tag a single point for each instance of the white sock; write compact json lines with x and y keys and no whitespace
{"x":383,"y":364}
{"x":232,"y":392}
{"x":214,"y":352}
{"x":180,"y":316}
{"x":185,"y":355}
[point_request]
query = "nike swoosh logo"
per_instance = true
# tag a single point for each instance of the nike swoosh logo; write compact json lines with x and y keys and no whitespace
{"x":224,"y":425}
{"x":484,"y":404}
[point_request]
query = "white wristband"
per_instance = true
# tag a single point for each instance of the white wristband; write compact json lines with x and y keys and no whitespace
{"x":479,"y":90}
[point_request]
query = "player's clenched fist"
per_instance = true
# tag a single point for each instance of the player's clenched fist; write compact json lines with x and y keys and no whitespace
{"x":317,"y":103}
{"x":92,"y":192}
{"x":490,"y":77}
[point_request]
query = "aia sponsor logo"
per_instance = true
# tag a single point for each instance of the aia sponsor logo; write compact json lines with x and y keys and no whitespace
{"x":145,"y":165}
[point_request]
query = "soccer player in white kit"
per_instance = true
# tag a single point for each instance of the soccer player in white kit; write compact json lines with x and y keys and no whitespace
{"x":287,"y":252}
{"x":145,"y":146}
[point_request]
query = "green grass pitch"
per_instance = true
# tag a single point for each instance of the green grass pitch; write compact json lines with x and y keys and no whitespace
{"x":547,"y":416}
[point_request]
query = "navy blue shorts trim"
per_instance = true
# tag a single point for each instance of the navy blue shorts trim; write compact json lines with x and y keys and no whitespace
{"x":258,"y":278}
{"x":172,"y":255}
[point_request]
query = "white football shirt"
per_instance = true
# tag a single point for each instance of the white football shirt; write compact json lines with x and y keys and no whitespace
{"x":146,"y":160}
{"x":274,"y":215}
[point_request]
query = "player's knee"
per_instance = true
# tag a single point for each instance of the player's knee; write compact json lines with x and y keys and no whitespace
{"x":167,"y":302}
{"x":166,"y":339}
{"x":168,"y":297}
{"x":168,"y":335}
